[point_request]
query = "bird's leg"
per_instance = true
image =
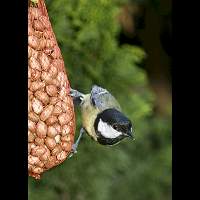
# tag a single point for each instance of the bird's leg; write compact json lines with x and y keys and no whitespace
{"x":75,"y":145}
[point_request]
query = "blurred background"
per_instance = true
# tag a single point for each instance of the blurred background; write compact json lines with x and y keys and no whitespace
{"x":124,"y":46}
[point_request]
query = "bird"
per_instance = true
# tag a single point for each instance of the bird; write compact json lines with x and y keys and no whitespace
{"x":102,"y":117}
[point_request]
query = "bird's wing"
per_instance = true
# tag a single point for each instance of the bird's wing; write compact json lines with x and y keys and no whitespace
{"x":102,"y":99}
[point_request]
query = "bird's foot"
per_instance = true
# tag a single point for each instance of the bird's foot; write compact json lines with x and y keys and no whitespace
{"x":73,"y":151}
{"x":77,"y":96}
{"x":75,"y":93}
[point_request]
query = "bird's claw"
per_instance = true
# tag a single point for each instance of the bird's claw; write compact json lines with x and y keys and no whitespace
{"x":74,"y":148}
{"x":73,"y":93}
{"x":73,"y":151}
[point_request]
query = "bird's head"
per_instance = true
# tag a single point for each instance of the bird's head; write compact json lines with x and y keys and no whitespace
{"x":111,"y":126}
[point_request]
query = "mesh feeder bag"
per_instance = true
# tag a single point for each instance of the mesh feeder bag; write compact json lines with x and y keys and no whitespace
{"x":51,"y":119}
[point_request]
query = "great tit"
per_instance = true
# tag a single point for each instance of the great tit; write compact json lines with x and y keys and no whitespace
{"x":102,"y":118}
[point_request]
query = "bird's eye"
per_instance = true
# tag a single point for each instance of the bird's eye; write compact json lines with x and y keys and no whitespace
{"x":115,"y":126}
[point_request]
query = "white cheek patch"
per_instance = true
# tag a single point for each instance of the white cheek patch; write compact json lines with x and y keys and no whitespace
{"x":107,"y":131}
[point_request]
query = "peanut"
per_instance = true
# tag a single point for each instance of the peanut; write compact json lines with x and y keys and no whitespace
{"x":41,"y":129}
{"x":51,"y":90}
{"x":42,"y":96}
{"x":52,"y":132}
{"x":46,"y":112}
{"x":37,"y":106}
{"x":50,"y":142}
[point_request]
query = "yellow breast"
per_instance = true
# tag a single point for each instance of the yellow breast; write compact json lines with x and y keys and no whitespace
{"x":89,"y":114}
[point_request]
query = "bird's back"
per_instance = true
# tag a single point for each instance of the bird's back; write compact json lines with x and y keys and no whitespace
{"x":102,"y":99}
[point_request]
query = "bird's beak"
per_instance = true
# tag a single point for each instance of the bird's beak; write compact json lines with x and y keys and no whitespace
{"x":130,"y":135}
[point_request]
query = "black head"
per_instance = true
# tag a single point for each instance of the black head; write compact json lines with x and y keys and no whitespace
{"x":112,"y":126}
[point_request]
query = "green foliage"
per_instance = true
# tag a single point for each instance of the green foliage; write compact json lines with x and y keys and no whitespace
{"x":87,"y":34}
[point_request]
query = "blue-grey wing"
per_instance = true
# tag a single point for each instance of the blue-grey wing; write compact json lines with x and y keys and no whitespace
{"x":102,"y":99}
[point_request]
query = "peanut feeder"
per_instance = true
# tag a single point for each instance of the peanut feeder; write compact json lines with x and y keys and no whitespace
{"x":51,"y":120}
